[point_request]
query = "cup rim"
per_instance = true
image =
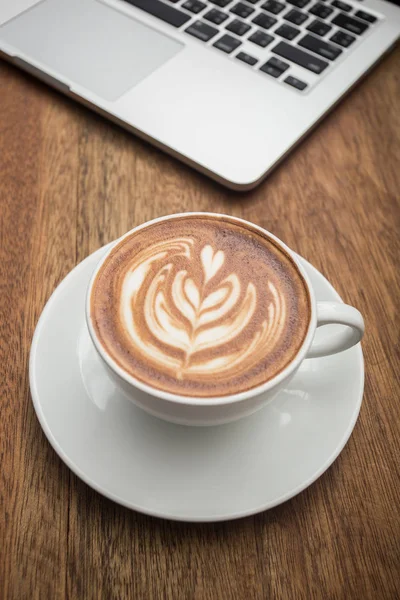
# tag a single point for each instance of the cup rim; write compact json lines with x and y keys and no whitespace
{"x":208,"y":400}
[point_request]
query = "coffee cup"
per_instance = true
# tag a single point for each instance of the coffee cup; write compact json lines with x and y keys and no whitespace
{"x":202,"y":318}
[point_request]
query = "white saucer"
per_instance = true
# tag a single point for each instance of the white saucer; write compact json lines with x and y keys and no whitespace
{"x":174,"y":471}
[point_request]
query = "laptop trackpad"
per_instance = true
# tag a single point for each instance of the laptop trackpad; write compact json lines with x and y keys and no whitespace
{"x":90,"y":44}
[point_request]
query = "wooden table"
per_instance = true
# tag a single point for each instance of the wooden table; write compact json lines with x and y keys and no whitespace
{"x":71,"y":182}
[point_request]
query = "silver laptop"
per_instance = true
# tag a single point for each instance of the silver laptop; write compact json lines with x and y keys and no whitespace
{"x":227,"y":86}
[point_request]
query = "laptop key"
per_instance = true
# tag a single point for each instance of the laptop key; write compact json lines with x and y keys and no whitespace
{"x":270,"y":70}
{"x":202,"y":31}
{"x":361,"y":14}
{"x":343,"y":39}
{"x":342,"y":5}
{"x":261,"y":39}
{"x":296,"y":83}
{"x":162,"y":11}
{"x":353,"y":25}
{"x":195,"y":6}
{"x":321,"y":11}
{"x":319,"y":27}
{"x":287,"y":31}
{"x":296,"y":17}
{"x":221,"y":3}
{"x":264,"y":21}
{"x":246,"y":58}
{"x":227,"y":43}
{"x":320,"y":47}
{"x":242,"y":10}
{"x":301,"y":58}
{"x":278,"y":64}
{"x":239,"y":27}
{"x":299,"y":3}
{"x":215,"y":16}
{"x":273,"y":6}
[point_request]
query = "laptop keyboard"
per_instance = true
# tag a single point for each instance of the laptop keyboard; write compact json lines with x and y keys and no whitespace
{"x":291,"y":41}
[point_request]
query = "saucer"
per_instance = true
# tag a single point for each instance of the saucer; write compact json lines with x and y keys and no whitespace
{"x":175,"y":471}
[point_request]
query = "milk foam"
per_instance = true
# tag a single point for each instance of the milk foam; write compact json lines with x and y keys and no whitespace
{"x":192,"y":313}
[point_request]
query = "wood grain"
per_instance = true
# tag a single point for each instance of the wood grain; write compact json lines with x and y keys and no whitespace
{"x":69,"y":183}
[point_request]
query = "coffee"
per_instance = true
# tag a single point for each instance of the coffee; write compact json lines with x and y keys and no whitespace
{"x":200,"y":306}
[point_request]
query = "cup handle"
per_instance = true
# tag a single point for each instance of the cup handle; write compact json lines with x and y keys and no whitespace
{"x":342,"y":314}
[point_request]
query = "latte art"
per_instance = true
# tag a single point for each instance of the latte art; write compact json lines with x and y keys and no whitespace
{"x":199,"y":307}
{"x":192,"y":314}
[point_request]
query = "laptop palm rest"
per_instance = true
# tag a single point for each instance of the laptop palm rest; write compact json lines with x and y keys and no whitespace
{"x":89,"y":44}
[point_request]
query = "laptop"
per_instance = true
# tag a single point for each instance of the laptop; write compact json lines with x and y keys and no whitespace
{"x":227,"y":86}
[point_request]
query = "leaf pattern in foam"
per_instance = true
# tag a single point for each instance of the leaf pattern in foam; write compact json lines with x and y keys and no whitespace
{"x":160,"y":320}
{"x":226,"y":332}
{"x":191,"y":316}
{"x":192,"y":293}
{"x":228,"y":295}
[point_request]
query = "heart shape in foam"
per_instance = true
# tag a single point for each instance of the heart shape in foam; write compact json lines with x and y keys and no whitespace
{"x":212,"y":262}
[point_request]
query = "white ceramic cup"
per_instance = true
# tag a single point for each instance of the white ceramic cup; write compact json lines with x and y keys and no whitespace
{"x":189,"y":410}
